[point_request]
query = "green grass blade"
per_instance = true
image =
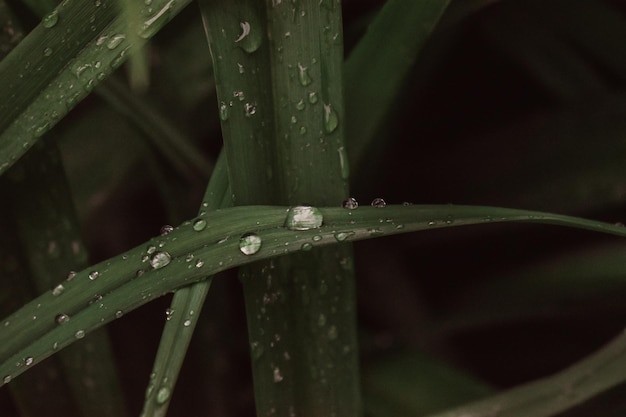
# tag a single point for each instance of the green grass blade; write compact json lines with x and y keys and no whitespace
{"x":50,"y":235}
{"x":182,"y":316}
{"x":286,"y":146}
{"x":549,"y":396}
{"x":60,"y":62}
{"x":215,"y":249}
{"x":379,"y":64}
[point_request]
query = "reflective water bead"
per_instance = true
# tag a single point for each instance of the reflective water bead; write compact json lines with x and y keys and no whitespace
{"x":187,"y":323}
{"x":51,"y":19}
{"x":304,"y":218}
{"x":169,"y":312}
{"x":163,"y":394}
{"x":58,"y":290}
{"x":160,"y":259}
{"x":249,"y":109}
{"x":93,"y":275}
{"x":350,"y":203}
{"x":249,"y":244}
{"x":6,"y":379}
{"x":303,"y":75}
{"x":166,"y":229}
{"x":306,"y":246}
{"x":342,"y":236}
{"x":62,"y":318}
{"x":119,"y":314}
{"x":199,"y":225}
{"x":378,"y":203}
{"x":331,"y":119}
{"x":70,"y":275}
{"x":28,"y":361}
{"x":277,"y":375}
{"x":79,"y":334}
{"x":151,"y":249}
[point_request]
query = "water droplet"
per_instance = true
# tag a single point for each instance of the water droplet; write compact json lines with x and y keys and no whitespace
{"x":199,"y":263}
{"x":303,"y":218}
{"x":331,"y":120}
{"x":306,"y":246}
{"x":166,"y":229}
{"x":317,"y":238}
{"x":378,"y":203}
{"x":350,"y":203}
{"x":62,"y":318}
{"x":58,"y":290}
{"x":119,"y":314}
{"x":342,"y":236}
{"x":302,"y":130}
{"x":249,"y":40}
{"x":303,"y":75}
{"x":223,"y":111}
{"x":156,"y":22}
{"x":70,"y":275}
{"x":249,"y":109}
{"x":187,"y":323}
{"x":169,"y":313}
{"x":300,"y":105}
{"x":313,"y":97}
{"x":115,"y":41}
{"x":93,"y":275}
{"x":239,"y":95}
{"x":257,"y":350}
{"x":51,"y":19}
{"x":6,"y":379}
{"x":79,"y":334}
{"x":343,"y":163}
{"x":47,"y":51}
{"x":199,"y":225}
{"x":163,"y":394}
{"x":321,"y":320}
{"x":241,"y":68}
{"x":160,"y":259}
{"x":277,"y":375}
{"x":151,"y":249}
{"x":28,"y":361}
{"x":249,"y":244}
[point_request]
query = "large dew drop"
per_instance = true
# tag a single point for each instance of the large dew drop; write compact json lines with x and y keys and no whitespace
{"x":350,"y":203}
{"x":51,"y":19}
{"x":160,"y":259}
{"x":249,"y":244}
{"x":331,"y":120}
{"x":304,"y":218}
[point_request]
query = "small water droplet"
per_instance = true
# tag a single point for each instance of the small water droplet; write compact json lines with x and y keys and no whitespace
{"x":28,"y":361}
{"x":115,"y":41}
{"x":58,"y":290}
{"x":343,"y":163}
{"x":306,"y":246}
{"x":6,"y":379}
{"x":199,"y":263}
{"x":199,"y":225}
{"x":300,"y":105}
{"x":70,"y":275}
{"x":331,"y":119}
{"x":342,"y":236}
{"x":303,"y":218}
{"x":378,"y":203}
{"x":239,"y":95}
{"x":47,"y":51}
{"x":119,"y":314}
{"x":151,"y":249}
{"x":303,"y":75}
{"x":249,"y":109}
{"x":163,"y":394}
{"x":166,"y":229}
{"x":313,"y":97}
{"x":169,"y":313}
{"x":277,"y":375}
{"x":156,"y":22}
{"x":93,"y":275}
{"x":79,"y":334}
{"x":249,"y":40}
{"x":62,"y":318}
{"x":350,"y":203}
{"x":317,"y":238}
{"x":223,"y":111}
{"x":160,"y":259}
{"x":51,"y":19}
{"x":187,"y":323}
{"x":249,"y":244}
